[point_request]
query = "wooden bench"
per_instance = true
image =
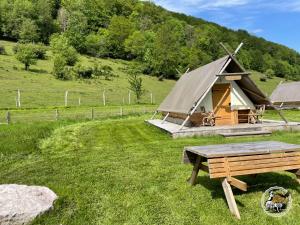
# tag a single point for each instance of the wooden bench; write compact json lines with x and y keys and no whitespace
{"x":230,"y":160}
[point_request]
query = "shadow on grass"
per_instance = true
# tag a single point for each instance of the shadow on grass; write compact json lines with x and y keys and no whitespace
{"x":38,"y":71}
{"x":261,"y":182}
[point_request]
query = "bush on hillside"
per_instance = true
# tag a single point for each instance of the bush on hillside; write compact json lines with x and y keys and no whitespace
{"x":25,"y":53}
{"x":105,"y":71}
{"x":60,"y":69}
{"x":263,"y":79}
{"x":40,"y":51}
{"x":60,"y":46}
{"x":270,"y":73}
{"x":83,"y":72}
{"x":2,"y":50}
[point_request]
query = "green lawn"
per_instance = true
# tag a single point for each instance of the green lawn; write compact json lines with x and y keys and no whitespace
{"x":290,"y":115}
{"x":73,"y":113}
{"x":123,"y":171}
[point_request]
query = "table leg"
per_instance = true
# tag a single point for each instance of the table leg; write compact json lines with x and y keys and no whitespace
{"x":195,"y":170}
{"x":230,"y":198}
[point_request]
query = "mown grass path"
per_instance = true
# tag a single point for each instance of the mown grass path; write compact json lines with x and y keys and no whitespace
{"x":123,"y":171}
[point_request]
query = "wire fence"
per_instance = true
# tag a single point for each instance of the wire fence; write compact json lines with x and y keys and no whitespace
{"x":21,"y":98}
{"x":75,"y":113}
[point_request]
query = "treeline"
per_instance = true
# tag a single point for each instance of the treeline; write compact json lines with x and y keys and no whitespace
{"x":138,"y":30}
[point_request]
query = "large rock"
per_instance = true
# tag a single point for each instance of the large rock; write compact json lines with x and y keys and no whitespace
{"x":20,"y":204}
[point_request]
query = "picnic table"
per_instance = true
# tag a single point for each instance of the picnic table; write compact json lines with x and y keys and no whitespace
{"x":230,"y":160}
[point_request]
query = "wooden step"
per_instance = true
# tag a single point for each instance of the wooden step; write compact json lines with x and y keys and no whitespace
{"x":247,"y":133}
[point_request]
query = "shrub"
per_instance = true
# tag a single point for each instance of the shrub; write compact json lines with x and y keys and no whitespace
{"x":105,"y":71}
{"x":40,"y":51}
{"x":2,"y":50}
{"x":60,"y":46}
{"x":26,"y":55}
{"x":270,"y":73}
{"x":60,"y":70}
{"x":83,"y":72}
{"x":263,"y":79}
{"x":136,"y":85}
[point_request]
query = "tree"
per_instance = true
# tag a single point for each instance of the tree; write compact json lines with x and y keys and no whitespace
{"x":269,"y":73}
{"x":139,"y":42}
{"x":77,"y":30}
{"x":93,"y":44}
{"x":59,"y":70}
{"x":166,"y":54}
{"x":118,"y":31}
{"x":29,"y":31}
{"x":136,"y":85}
{"x":60,"y":46}
{"x":26,"y":54}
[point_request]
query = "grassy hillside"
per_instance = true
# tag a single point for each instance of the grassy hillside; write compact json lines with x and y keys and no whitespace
{"x":126,"y":172}
{"x":130,"y":29}
{"x":40,"y":89}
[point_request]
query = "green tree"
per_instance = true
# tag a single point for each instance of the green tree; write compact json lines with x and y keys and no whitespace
{"x":167,"y":53}
{"x":269,"y":73}
{"x":93,"y":44}
{"x":118,"y":31}
{"x":77,"y":30}
{"x":136,"y":85}
{"x":26,"y":55}
{"x":59,"y":64}
{"x":60,"y":46}
{"x":139,"y":42}
{"x":29,"y":31}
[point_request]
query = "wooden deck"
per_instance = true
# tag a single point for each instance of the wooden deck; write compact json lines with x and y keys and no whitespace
{"x":267,"y":126}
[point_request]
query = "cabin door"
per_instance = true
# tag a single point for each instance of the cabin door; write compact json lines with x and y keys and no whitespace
{"x":222,"y":104}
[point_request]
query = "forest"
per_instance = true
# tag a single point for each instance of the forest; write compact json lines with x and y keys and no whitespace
{"x":163,"y":42}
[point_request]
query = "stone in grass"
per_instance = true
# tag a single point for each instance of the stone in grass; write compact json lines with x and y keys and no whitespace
{"x":20,"y":204}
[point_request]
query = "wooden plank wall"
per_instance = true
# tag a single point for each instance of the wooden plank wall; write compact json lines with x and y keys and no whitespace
{"x":254,"y":164}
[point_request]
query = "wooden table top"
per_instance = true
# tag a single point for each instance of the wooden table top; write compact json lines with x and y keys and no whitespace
{"x":239,"y":149}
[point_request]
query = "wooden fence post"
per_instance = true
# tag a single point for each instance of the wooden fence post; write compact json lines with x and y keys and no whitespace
{"x":92,"y":114}
{"x":18,"y":99}
{"x":66,"y":98}
{"x":79,"y":101}
{"x":56,"y":114}
{"x":129,"y":96}
{"x":151,"y":98}
{"x":121,"y":111}
{"x":103,"y":97}
{"x":8,"y":117}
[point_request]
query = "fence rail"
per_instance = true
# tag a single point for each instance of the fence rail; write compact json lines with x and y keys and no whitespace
{"x":75,"y":113}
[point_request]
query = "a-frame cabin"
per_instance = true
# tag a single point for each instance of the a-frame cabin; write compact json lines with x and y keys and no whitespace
{"x":222,"y":87}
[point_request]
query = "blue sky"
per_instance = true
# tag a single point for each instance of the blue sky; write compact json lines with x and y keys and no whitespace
{"x":274,"y":20}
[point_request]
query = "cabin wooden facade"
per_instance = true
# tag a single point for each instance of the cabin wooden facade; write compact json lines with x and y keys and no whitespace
{"x":222,"y":87}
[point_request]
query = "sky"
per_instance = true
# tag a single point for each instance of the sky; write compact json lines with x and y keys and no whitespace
{"x":274,"y":20}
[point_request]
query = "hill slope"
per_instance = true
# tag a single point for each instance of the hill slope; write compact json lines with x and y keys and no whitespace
{"x":40,"y":89}
{"x":162,"y":41}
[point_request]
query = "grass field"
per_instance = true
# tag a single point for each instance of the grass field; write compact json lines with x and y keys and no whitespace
{"x":40,"y":89}
{"x":123,"y":171}
{"x":82,"y":113}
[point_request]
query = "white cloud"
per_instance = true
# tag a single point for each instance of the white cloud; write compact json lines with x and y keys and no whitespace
{"x":256,"y":31}
{"x":192,"y":6}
